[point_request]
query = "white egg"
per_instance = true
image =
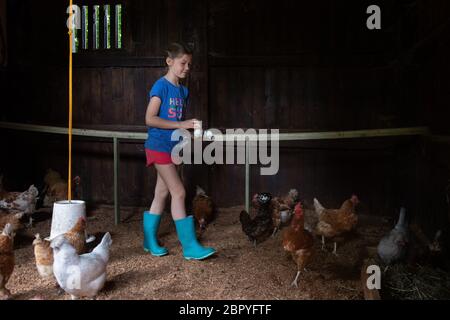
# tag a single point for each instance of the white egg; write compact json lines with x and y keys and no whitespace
{"x":198,"y":133}
{"x":208,"y":135}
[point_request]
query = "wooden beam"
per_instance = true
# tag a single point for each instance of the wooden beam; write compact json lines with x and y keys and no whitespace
{"x":332,"y":135}
{"x":371,"y":133}
{"x":76,"y":132}
{"x":329,"y":135}
{"x":440,"y":138}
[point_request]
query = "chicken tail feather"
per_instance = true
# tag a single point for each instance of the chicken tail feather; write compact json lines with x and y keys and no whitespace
{"x":103,"y":247}
{"x":8,"y":230}
{"x":318,"y":207}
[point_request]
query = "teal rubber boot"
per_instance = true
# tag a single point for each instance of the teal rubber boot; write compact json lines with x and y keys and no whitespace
{"x":151,"y":225}
{"x":186,"y":234}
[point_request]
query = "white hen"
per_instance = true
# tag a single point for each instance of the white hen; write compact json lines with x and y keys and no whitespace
{"x":80,"y":275}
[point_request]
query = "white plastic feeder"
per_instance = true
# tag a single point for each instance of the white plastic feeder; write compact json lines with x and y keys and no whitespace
{"x":65,"y":216}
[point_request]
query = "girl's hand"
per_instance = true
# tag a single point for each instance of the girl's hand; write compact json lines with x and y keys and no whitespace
{"x":188,"y":124}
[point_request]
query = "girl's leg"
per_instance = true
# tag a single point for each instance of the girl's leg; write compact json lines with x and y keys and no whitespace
{"x":161,"y":193}
{"x":152,"y":219}
{"x":192,"y":249}
{"x":170,"y":177}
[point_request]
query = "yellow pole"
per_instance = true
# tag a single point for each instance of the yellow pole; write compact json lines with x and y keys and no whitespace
{"x":69,"y":184}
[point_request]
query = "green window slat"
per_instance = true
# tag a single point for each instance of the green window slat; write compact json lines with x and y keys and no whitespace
{"x":107,"y":26}
{"x":96,"y":28}
{"x":118,"y":25}
{"x":85,"y":27}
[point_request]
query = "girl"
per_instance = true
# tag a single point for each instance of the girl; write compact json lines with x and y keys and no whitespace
{"x":164,"y":114}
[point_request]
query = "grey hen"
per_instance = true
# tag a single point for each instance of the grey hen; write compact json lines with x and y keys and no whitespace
{"x":392,"y":247}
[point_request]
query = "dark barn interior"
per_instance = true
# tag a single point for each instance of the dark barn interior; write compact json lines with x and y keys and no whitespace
{"x":297,"y":66}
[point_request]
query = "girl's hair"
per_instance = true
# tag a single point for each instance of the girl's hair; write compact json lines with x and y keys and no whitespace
{"x":176,"y":50}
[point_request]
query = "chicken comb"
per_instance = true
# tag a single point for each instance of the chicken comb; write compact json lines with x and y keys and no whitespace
{"x":298,"y":208}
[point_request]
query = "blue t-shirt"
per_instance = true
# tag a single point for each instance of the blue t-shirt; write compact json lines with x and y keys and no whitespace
{"x":173,"y":102}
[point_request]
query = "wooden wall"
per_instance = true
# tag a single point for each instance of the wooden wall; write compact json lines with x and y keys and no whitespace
{"x":432,"y":53}
{"x":3,"y":46}
{"x":292,"y":65}
{"x":3,"y":43}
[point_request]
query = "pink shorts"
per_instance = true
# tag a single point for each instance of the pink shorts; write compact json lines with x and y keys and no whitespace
{"x":157,"y":157}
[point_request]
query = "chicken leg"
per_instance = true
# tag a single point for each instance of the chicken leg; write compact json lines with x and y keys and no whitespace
{"x":275,"y":230}
{"x":294,"y":283}
{"x":335,"y":249}
{"x":59,"y":291}
{"x":29,"y":225}
{"x":5,"y":294}
{"x":323,"y":243}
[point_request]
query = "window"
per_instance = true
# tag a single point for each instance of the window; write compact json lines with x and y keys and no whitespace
{"x":110,"y":13}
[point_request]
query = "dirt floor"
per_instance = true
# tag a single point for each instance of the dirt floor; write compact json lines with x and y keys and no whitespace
{"x":237,"y":271}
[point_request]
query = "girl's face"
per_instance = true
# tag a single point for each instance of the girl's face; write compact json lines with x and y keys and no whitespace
{"x":180,"y":66}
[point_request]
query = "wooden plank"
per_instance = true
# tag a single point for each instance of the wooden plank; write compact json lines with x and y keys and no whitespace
{"x":311,"y":98}
{"x":339,"y":59}
{"x":102,"y":61}
{"x":105,"y":105}
{"x":3,"y":33}
{"x":95,"y":103}
{"x":174,"y":32}
{"x":117,"y":84}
